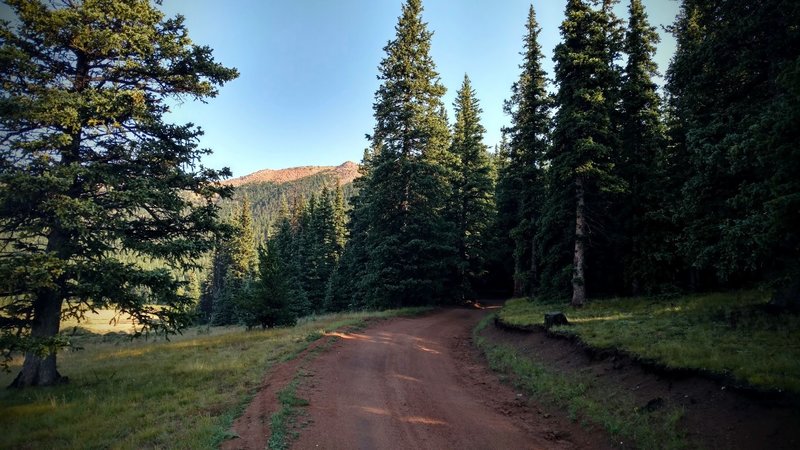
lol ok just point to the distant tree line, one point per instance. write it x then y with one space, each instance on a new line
266 199
286 275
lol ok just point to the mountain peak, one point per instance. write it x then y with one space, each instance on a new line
345 173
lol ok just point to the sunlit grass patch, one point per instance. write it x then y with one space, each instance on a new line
182 393
725 333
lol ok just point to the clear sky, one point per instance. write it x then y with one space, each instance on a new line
309 67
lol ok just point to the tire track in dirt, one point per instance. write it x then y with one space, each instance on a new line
419 383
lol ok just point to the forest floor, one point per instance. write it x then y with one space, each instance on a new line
422 383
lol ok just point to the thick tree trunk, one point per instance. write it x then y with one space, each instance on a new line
578 281
40 370
519 286
534 276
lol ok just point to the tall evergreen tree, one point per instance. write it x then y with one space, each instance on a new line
269 304
90 169
285 243
347 288
643 144
473 190
506 218
530 110
243 252
733 102
585 135
233 268
410 242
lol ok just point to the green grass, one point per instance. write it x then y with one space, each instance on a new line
184 393
586 400
281 421
724 333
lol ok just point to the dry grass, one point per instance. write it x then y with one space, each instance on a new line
182 393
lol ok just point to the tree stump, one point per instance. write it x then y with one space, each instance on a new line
552 319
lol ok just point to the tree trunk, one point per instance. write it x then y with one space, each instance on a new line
519 290
40 370
534 278
578 282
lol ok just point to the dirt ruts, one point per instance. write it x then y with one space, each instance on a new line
411 383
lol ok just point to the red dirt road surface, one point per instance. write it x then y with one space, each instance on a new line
417 383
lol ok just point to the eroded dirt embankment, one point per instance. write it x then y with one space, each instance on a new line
715 416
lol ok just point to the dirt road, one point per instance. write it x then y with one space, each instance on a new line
418 383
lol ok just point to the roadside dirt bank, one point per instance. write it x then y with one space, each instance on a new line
715 416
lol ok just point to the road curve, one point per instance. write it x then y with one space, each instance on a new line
415 383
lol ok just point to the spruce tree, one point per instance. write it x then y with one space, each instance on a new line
234 268
410 241
473 202
738 207
643 144
585 134
347 288
91 170
269 303
506 204
530 110
284 243
243 251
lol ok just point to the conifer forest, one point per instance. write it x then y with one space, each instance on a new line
607 183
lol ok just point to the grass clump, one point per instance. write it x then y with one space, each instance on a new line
182 393
280 421
585 399
725 333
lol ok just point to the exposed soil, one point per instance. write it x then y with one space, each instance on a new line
410 383
716 416
252 429
420 383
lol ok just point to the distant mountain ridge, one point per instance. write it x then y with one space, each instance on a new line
269 190
345 173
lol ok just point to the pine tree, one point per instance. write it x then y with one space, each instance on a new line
234 269
339 229
739 203
90 169
269 304
530 108
410 242
643 144
243 252
347 288
284 244
585 135
506 204
473 191
213 287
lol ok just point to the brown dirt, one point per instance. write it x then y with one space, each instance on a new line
408 383
716 416
252 427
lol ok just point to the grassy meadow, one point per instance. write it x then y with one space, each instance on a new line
725 333
182 393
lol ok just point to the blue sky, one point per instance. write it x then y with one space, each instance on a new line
308 69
